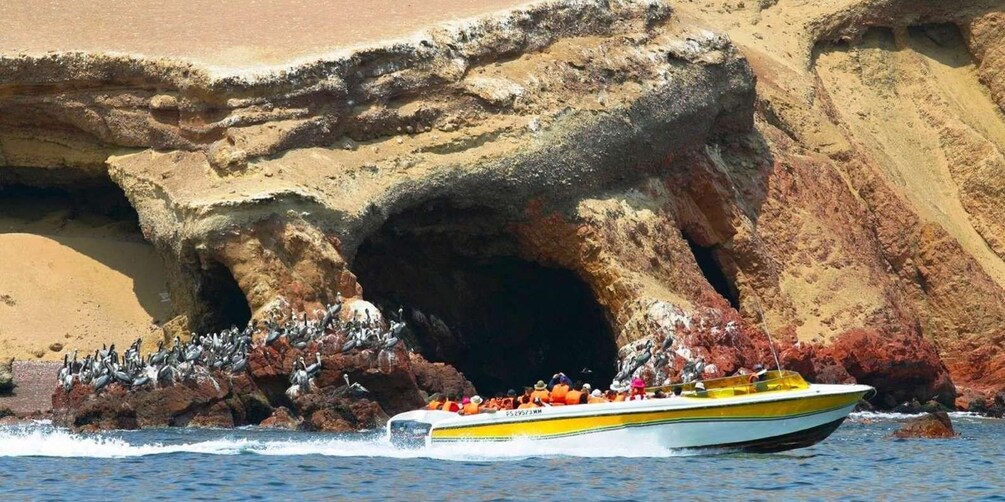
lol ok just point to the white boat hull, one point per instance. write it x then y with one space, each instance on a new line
770 421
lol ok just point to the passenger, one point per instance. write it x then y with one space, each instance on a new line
526 396
638 392
450 404
435 402
620 393
558 378
677 389
536 403
659 394
757 378
558 389
494 403
541 392
699 390
508 402
587 389
471 407
576 395
597 397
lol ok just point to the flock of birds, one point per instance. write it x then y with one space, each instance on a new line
227 351
360 332
658 356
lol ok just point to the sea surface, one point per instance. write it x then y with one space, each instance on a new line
859 462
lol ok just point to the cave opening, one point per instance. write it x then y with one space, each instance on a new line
222 299
472 301
96 203
710 268
76 249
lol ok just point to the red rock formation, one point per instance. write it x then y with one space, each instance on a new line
433 378
283 419
204 401
929 426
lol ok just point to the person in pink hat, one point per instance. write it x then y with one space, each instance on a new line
638 390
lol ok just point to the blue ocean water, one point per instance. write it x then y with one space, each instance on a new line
858 462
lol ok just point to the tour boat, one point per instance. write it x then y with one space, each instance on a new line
779 412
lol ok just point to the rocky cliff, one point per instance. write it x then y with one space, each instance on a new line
570 184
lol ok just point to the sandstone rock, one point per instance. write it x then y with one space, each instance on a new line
282 419
915 407
930 426
6 375
440 378
164 102
901 368
977 403
226 158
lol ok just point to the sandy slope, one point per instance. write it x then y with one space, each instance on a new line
229 34
57 287
905 106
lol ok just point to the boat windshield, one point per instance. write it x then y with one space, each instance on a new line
740 385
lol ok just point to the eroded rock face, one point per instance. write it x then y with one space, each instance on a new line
607 140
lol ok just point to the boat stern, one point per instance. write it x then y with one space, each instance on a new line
411 429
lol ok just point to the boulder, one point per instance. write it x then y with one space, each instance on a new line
983 405
928 426
281 418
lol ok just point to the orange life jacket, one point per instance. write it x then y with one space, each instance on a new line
620 397
595 400
573 397
493 404
506 404
558 393
543 394
434 405
471 409
525 406
449 405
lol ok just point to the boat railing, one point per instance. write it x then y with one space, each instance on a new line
738 385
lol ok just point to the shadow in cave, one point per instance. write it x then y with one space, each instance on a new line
224 302
94 218
472 302
709 265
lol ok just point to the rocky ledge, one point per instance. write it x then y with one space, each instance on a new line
353 390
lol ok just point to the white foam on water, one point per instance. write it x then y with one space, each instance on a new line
43 441
861 416
47 441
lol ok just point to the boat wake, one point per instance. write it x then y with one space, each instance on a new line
42 440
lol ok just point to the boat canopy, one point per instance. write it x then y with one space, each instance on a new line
739 385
